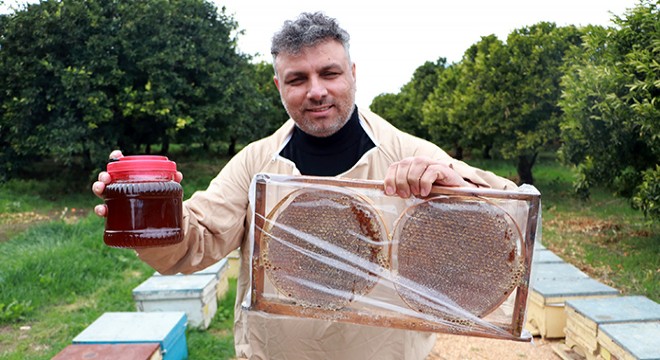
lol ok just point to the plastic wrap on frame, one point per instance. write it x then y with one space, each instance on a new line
457 261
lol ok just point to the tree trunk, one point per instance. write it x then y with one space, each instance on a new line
88 164
231 150
458 152
525 164
486 151
166 146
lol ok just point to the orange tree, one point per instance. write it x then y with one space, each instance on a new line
81 77
611 125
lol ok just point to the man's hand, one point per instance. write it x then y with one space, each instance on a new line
104 179
416 175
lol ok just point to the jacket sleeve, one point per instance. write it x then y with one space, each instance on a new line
214 222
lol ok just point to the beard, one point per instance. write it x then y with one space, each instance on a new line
327 126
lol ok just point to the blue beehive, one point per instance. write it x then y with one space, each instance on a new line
166 328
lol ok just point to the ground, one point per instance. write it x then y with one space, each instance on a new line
453 347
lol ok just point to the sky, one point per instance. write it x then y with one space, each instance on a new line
390 39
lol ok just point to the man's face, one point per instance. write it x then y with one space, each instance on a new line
317 87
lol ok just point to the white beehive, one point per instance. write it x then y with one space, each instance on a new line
193 294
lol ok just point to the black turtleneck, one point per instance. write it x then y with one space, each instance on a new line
328 156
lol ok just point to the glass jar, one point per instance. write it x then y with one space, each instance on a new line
145 203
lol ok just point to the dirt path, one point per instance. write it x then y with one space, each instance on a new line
14 223
454 347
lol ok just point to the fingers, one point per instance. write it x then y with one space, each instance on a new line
416 176
396 180
403 177
104 177
101 210
440 174
390 180
98 187
116 154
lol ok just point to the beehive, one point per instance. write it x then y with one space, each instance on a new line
193 294
141 351
584 317
167 329
234 264
629 341
549 271
545 256
545 314
220 270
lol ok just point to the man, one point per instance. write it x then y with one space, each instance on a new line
328 136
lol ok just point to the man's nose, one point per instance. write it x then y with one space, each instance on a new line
317 89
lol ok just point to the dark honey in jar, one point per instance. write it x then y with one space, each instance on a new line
144 203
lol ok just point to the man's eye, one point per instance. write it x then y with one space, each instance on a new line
295 81
331 74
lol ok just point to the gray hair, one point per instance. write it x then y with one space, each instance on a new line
308 30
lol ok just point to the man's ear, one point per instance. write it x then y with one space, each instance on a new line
277 82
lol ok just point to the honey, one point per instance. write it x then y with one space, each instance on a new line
145 204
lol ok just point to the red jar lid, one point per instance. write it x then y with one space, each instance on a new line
141 164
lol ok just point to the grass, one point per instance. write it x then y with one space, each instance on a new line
57 276
66 278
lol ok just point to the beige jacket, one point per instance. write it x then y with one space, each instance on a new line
217 220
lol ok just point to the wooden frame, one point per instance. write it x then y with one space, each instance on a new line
511 330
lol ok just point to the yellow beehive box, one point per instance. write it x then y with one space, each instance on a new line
234 259
220 270
629 341
584 318
545 314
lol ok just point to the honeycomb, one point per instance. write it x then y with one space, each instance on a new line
462 251
318 246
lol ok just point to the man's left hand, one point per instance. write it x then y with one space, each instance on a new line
416 175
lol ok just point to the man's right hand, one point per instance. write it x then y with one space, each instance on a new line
99 186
